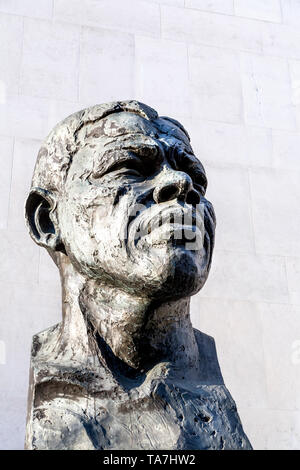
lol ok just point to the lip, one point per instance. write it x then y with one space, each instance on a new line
178 235
157 226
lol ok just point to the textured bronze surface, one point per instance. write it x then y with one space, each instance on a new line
118 200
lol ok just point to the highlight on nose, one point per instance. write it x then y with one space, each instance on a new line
180 188
166 193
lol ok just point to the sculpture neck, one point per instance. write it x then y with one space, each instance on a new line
138 331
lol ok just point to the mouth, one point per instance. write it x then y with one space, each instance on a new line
157 227
171 234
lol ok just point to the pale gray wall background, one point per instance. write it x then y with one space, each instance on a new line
230 71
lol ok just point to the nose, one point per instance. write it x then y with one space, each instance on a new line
176 185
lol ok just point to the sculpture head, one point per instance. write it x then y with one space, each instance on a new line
118 191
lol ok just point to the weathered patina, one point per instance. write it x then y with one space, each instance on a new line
118 200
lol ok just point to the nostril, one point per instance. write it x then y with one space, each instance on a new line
193 197
168 192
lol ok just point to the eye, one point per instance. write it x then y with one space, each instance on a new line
129 167
127 172
126 167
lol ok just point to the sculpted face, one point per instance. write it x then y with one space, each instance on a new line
133 212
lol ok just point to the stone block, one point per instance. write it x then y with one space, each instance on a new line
233 208
275 195
293 277
199 27
106 65
133 16
280 40
267 92
281 338
11 36
17 246
236 328
267 10
25 153
216 92
291 12
50 59
222 144
24 116
6 158
246 276
286 150
168 59
32 8
217 6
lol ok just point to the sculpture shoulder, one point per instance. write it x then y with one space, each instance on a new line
42 342
209 365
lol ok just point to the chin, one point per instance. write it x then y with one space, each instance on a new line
180 274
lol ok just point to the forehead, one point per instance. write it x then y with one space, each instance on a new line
116 126
105 141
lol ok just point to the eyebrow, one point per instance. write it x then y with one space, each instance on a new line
143 149
184 159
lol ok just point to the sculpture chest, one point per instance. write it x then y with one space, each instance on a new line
153 416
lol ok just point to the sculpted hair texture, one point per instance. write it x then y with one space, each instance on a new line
56 154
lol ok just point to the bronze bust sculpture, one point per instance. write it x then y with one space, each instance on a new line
118 200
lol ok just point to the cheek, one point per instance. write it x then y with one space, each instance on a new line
102 223
108 220
93 222
76 232
90 221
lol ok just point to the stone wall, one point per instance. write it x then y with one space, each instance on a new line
229 70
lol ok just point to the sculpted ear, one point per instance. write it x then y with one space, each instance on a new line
41 219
